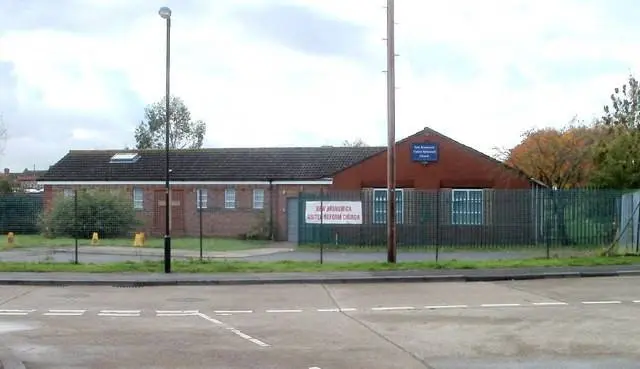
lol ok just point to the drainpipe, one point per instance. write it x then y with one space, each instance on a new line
271 207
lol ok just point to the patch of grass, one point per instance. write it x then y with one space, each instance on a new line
184 243
195 266
538 249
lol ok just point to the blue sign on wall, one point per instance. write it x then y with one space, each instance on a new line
424 152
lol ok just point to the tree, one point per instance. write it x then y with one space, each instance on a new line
617 157
560 158
5 186
355 143
625 106
184 133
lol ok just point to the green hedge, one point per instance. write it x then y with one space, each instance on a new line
109 214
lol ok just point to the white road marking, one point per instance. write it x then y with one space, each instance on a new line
636 301
601 302
235 331
446 306
233 311
176 311
315 367
336 310
119 313
53 312
393 308
551 303
284 311
15 312
500 305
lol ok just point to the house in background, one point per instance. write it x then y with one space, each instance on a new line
27 181
446 191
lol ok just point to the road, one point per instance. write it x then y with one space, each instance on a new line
570 323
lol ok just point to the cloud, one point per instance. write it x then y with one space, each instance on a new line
299 72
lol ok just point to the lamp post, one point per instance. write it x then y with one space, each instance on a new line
165 13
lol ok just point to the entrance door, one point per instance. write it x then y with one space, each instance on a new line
177 211
292 220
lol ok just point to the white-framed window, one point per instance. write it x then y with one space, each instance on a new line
68 192
138 198
202 196
230 198
467 207
258 198
380 206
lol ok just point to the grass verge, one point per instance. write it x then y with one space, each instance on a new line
196 266
184 243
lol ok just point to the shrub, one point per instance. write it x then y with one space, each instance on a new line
109 214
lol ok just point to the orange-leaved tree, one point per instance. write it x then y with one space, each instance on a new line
559 157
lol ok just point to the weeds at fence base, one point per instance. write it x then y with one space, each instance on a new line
217 266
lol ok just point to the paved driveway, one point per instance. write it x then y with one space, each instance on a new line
572 323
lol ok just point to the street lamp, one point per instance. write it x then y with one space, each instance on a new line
165 13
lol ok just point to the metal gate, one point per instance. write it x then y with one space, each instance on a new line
292 220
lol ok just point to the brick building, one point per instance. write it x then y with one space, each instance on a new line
243 188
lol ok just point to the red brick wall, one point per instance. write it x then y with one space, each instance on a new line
216 219
457 167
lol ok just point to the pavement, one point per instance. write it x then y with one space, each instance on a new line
572 323
428 275
277 252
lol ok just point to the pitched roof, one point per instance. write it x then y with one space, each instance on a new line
430 131
219 164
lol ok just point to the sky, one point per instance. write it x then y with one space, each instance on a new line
77 74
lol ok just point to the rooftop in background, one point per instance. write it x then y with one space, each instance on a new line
214 164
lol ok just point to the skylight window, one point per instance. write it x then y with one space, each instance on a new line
125 157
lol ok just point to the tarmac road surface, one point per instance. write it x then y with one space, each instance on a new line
569 323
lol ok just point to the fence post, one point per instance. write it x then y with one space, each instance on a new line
200 216
75 224
321 223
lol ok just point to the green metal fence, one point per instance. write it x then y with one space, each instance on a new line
20 213
461 217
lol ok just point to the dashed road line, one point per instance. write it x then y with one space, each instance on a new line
446 306
550 303
15 312
181 313
234 330
499 305
391 308
120 313
53 312
601 302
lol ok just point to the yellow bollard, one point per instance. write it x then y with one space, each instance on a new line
94 238
10 239
138 241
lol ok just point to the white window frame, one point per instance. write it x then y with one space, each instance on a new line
229 198
258 198
68 192
455 213
205 198
138 198
400 209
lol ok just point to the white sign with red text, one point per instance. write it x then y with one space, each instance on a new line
334 212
